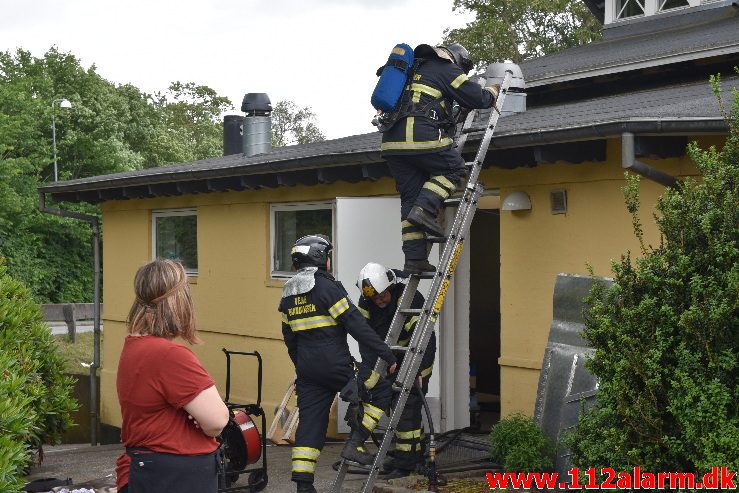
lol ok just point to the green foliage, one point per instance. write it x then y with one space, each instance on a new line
110 128
506 30
35 402
666 334
294 125
519 445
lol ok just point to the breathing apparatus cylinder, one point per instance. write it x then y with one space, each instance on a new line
393 77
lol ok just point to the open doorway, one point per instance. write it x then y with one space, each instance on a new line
484 337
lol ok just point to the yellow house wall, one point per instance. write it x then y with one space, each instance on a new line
235 298
536 245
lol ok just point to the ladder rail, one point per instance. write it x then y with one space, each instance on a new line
408 370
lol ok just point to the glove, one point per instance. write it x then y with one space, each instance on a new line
494 90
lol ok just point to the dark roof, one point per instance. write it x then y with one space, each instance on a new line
646 42
680 109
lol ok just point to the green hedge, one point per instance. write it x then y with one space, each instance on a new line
519 445
35 396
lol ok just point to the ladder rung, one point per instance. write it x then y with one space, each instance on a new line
473 130
399 348
411 311
436 239
424 275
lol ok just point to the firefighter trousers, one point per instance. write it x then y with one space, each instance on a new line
408 453
318 382
425 180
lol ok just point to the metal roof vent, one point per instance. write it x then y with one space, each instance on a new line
515 100
232 138
257 123
558 201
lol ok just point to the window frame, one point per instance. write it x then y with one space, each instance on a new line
157 213
297 206
651 7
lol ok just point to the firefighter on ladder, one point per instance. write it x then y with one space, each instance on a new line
418 143
316 316
381 292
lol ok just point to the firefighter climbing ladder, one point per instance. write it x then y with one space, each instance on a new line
428 315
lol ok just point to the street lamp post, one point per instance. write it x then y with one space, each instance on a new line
63 103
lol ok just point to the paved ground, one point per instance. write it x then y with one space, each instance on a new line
95 467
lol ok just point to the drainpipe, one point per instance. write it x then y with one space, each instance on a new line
95 225
629 162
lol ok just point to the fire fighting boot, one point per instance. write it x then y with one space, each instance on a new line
424 220
396 473
354 448
305 487
418 266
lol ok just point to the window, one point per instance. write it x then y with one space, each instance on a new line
175 236
292 221
672 4
629 8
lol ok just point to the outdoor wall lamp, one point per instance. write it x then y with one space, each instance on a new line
63 103
516 201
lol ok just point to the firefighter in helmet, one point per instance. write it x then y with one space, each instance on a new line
316 317
381 291
418 144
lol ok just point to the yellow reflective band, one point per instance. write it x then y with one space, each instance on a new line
459 81
305 453
409 123
445 182
373 411
284 319
434 93
339 307
372 380
409 324
406 224
404 342
311 323
364 312
408 435
427 371
369 423
420 235
416 96
436 189
421 145
304 466
404 447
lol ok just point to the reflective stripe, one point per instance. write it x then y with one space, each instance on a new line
419 235
373 411
369 423
364 312
427 371
305 453
408 435
304 466
409 124
406 224
436 189
311 323
416 96
284 319
339 307
404 447
445 182
404 342
427 144
372 380
433 92
409 324
458 81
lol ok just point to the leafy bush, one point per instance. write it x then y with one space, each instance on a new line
666 334
35 402
519 445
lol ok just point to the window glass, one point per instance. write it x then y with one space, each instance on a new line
629 8
672 4
291 222
176 238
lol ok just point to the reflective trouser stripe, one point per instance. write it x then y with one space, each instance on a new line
411 232
372 380
304 459
407 435
441 192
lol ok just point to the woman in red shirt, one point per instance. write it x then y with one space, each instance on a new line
170 406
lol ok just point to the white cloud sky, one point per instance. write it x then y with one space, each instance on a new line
317 53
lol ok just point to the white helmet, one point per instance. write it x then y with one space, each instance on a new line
374 279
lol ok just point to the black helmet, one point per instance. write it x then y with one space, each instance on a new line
461 56
311 251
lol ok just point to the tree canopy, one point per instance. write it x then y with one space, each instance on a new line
110 128
522 29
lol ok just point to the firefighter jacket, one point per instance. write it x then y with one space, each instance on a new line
322 317
434 86
380 320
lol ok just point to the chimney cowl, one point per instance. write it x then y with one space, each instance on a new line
256 104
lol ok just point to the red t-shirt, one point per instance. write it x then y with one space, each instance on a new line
156 378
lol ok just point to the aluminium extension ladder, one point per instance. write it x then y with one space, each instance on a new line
428 315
